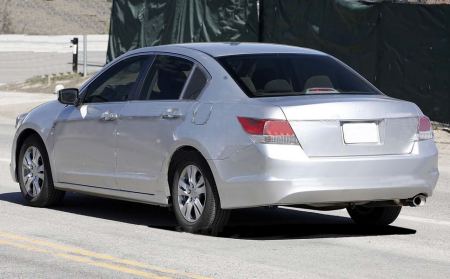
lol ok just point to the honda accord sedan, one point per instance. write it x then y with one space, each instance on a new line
210 127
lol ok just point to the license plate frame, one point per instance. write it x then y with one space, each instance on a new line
360 132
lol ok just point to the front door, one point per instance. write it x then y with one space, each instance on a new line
85 135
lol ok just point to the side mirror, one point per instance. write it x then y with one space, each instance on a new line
68 96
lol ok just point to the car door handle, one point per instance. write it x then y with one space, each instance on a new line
171 114
109 116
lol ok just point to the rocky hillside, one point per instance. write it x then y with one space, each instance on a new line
54 17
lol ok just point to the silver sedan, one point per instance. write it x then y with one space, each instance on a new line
209 127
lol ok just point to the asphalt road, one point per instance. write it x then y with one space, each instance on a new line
100 238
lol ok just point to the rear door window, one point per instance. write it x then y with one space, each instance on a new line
167 78
196 84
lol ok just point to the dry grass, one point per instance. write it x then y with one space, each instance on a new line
47 83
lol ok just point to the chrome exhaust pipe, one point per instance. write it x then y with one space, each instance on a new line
418 200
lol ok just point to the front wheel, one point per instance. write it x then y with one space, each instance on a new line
195 198
35 177
377 216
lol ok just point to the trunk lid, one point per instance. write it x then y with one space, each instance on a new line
333 125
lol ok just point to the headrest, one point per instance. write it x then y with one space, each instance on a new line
318 81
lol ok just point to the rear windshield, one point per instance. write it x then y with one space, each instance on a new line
274 75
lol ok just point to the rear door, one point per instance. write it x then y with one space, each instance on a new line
85 136
147 129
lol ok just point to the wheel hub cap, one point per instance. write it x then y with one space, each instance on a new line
33 174
191 193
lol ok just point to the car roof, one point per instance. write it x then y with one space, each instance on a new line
232 48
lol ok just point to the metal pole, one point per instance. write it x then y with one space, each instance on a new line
84 55
74 42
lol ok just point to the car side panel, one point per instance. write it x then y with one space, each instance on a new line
217 138
39 120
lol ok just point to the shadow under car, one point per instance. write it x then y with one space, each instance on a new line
275 223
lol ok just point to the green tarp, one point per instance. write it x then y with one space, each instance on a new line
415 57
346 30
125 27
403 49
141 23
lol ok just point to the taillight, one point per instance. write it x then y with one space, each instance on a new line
424 128
269 131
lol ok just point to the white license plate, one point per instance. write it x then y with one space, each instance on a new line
360 133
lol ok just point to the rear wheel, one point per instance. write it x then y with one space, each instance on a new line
377 216
195 198
35 178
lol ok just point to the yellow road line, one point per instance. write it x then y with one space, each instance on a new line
23 246
84 260
94 255
122 269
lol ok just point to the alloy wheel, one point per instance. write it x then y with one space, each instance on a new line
33 171
191 193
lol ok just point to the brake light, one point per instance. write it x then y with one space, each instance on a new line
424 128
269 131
252 126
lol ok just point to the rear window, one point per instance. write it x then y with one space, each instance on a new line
273 75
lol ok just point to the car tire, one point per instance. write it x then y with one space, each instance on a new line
34 174
376 216
212 218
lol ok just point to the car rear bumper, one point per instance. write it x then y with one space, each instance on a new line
261 175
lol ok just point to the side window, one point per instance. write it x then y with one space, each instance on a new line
166 79
196 84
117 83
